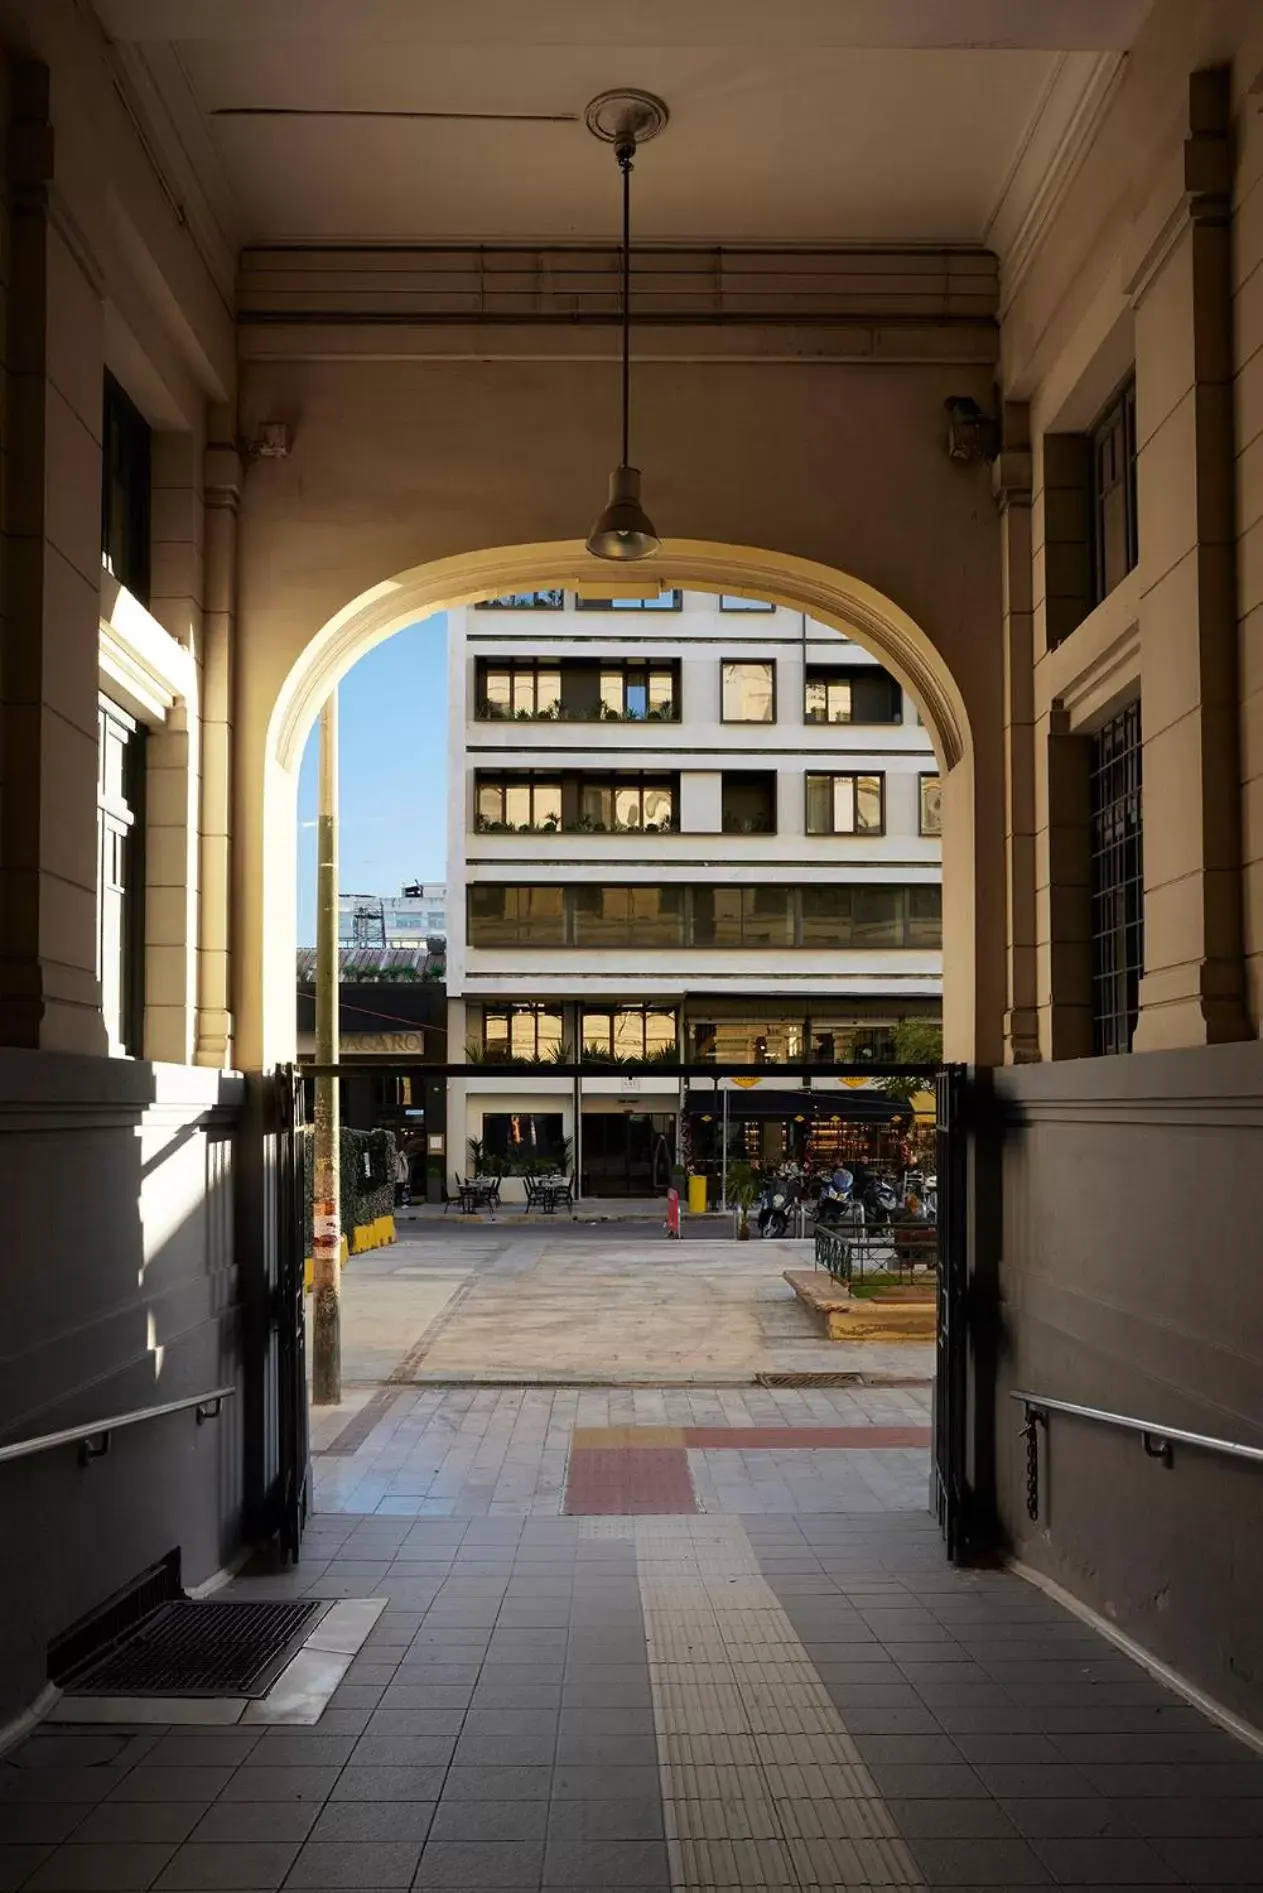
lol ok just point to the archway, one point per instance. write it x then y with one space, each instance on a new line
266 859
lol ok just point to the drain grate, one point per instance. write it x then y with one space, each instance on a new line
839 1380
193 1648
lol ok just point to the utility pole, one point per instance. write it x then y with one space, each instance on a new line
326 1326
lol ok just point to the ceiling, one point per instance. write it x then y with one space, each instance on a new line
803 121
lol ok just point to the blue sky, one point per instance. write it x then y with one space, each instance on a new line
393 746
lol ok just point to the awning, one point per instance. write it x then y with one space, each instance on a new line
856 1107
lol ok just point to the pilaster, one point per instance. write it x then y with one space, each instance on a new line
1192 989
49 989
1013 486
223 478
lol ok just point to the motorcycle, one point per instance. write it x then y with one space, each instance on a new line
773 1219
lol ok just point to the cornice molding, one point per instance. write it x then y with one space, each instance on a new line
1080 91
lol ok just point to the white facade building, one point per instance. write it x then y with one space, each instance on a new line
409 919
678 821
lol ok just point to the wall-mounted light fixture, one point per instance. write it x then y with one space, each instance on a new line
971 434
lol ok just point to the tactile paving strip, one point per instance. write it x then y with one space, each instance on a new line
762 1786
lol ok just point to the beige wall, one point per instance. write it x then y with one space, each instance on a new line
1152 260
396 464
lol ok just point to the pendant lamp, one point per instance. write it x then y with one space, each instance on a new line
624 530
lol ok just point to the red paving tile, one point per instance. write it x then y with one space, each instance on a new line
627 1480
785 1438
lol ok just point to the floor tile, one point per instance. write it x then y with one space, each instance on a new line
248 1864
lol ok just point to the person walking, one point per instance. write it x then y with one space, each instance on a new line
403 1177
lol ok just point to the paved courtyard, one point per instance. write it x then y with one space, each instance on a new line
568 1300
693 1634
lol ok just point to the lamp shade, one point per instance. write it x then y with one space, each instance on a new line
624 530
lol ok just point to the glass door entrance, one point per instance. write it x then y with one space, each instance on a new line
627 1153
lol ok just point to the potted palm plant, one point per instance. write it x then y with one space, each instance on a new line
743 1190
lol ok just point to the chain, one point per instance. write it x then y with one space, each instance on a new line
1031 1432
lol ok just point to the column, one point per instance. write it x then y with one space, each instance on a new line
1012 476
223 477
49 990
173 772
1191 993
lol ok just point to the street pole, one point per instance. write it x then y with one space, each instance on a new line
327 1213
723 1171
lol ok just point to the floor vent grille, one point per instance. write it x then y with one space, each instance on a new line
196 1648
839 1380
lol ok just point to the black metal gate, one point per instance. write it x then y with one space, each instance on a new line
951 1380
290 1317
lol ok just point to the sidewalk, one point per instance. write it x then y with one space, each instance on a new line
589 1209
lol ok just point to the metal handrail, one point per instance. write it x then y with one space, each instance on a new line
1158 1439
207 1404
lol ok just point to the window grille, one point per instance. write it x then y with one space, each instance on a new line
1118 922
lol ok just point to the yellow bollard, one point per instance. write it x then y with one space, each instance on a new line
697 1196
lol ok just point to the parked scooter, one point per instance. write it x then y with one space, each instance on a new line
774 1210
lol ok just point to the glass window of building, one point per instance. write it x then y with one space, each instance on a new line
535 1137
633 691
846 805
519 690
525 601
521 1031
925 917
518 803
749 692
833 694
636 916
748 802
931 805
749 1039
660 601
125 491
743 916
120 827
629 1032
502 914
1115 547
617 805
1117 883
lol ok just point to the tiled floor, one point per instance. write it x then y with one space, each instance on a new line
502 1451
775 1701
778 1685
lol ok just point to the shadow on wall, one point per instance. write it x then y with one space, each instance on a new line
120 1291
1130 1282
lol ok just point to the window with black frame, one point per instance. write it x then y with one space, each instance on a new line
846 804
621 805
521 690
522 1031
517 804
1115 546
1118 912
125 491
660 601
524 601
748 802
622 1032
834 693
633 692
120 820
748 691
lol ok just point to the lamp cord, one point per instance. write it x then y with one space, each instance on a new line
625 153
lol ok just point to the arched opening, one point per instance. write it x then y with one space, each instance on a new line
830 597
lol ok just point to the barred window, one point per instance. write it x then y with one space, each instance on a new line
1118 913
